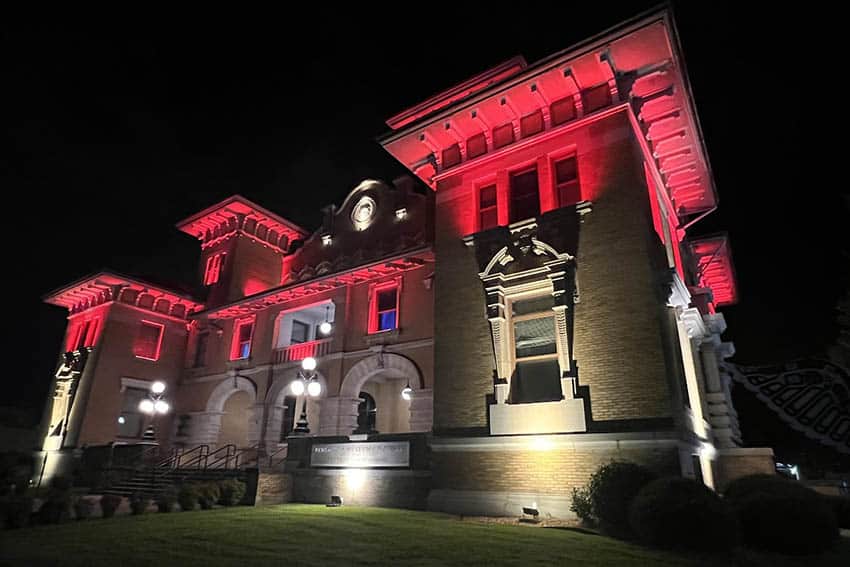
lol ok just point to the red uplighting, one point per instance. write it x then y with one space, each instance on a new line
714 268
148 342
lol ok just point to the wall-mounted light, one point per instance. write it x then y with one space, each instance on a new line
400 213
325 327
327 239
407 392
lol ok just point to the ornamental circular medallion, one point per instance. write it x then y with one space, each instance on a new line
363 212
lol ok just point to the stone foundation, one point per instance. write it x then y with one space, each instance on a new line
273 488
364 487
738 462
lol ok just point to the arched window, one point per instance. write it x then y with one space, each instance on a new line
367 413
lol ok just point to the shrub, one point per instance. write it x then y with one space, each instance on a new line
83 508
108 504
781 515
57 507
841 508
678 512
231 492
139 503
612 488
166 499
187 497
582 506
208 494
16 510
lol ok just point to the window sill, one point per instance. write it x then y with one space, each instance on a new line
239 363
382 337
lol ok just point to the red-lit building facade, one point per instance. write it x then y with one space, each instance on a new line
541 297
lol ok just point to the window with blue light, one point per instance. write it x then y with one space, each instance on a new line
387 309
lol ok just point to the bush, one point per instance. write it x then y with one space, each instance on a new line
15 511
108 504
841 508
231 492
83 508
612 488
57 508
166 499
582 506
782 515
187 497
139 503
678 512
208 494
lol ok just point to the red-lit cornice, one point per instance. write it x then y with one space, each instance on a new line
238 215
104 287
386 267
714 268
640 62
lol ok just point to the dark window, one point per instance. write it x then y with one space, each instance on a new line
595 98
566 182
525 195
451 156
201 349
563 110
148 341
300 333
81 338
503 135
476 146
387 309
131 420
288 417
367 413
531 124
488 211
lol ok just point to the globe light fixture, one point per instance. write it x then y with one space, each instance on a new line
407 392
161 406
158 387
314 389
297 387
146 406
308 364
325 328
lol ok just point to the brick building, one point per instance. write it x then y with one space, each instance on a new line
530 307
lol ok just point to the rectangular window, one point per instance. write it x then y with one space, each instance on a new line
536 375
563 110
451 156
525 195
503 135
300 333
595 98
387 309
243 333
531 124
566 181
131 420
149 340
488 213
383 307
213 268
476 146
201 349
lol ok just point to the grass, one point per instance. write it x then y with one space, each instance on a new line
299 534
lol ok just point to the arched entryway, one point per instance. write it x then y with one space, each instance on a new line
382 378
232 415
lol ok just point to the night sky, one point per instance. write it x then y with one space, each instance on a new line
117 132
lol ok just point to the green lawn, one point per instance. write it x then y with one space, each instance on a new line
315 535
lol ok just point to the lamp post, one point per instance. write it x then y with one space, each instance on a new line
305 382
154 404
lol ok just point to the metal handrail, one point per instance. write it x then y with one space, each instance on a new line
202 451
229 453
283 450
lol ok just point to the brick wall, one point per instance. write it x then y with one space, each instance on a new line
554 472
364 487
273 488
617 336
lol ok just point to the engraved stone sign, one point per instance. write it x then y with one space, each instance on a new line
380 454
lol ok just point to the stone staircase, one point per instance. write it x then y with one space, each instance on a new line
152 476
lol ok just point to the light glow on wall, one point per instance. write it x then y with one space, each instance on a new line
354 478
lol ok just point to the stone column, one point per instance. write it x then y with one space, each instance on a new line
338 415
274 425
422 410
255 419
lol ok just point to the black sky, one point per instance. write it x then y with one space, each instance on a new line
120 129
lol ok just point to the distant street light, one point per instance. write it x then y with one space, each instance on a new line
306 382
